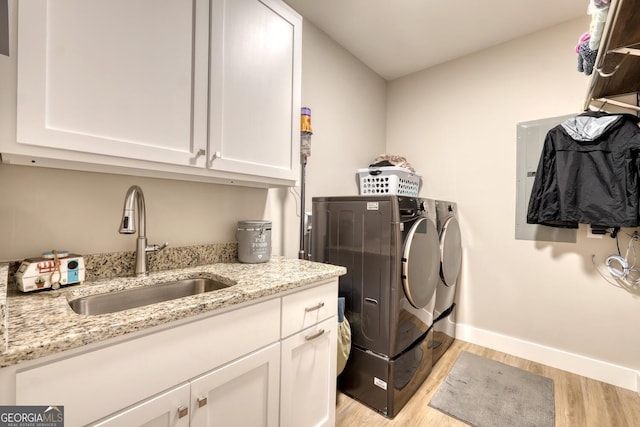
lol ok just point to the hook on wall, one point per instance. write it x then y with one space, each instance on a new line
603 74
604 103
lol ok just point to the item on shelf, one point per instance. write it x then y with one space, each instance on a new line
586 58
598 9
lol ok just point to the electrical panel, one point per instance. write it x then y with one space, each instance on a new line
530 141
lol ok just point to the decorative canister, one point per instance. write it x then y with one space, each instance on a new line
254 241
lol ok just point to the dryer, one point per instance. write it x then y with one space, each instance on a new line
390 247
450 262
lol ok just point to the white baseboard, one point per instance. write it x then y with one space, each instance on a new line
587 367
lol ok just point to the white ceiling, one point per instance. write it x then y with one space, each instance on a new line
399 37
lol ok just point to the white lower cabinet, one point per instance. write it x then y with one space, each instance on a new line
267 364
309 352
308 383
243 393
98 384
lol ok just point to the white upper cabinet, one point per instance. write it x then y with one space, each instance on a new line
202 88
255 87
108 77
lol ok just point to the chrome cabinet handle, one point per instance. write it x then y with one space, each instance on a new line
314 336
202 401
201 152
216 155
183 411
315 307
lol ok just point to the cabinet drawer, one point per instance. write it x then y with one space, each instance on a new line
101 382
306 308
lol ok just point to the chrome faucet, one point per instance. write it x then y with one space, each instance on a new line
133 199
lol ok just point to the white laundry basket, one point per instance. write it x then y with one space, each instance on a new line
389 180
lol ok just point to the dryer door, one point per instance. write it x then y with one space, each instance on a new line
450 251
421 262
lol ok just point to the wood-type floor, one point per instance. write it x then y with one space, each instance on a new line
579 401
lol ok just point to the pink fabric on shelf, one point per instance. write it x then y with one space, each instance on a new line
583 38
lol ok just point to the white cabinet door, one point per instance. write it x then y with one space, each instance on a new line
255 88
113 77
169 409
308 382
242 393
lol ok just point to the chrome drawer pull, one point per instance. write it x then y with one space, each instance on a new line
314 336
315 307
183 411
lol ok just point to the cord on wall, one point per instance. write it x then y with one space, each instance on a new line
622 269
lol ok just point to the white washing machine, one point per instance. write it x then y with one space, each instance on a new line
444 326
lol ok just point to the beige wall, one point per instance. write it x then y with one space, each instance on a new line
457 124
42 209
348 109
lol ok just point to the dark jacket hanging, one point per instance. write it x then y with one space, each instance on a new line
588 173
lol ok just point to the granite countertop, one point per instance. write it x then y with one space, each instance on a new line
42 323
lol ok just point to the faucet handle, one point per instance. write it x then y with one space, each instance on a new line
156 248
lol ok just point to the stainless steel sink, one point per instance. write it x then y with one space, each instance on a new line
138 297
